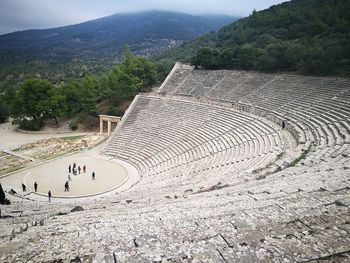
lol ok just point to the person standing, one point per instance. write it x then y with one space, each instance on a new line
84 168
69 178
24 188
93 175
49 195
35 186
69 168
79 169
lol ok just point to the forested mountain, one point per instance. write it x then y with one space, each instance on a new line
71 51
115 30
306 36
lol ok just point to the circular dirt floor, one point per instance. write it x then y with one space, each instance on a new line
53 175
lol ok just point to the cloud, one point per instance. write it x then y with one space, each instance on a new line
26 14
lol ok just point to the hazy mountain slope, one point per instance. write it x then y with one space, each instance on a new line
93 46
113 31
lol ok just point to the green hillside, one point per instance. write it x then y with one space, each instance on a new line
305 36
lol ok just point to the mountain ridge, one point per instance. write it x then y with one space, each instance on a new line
94 46
121 22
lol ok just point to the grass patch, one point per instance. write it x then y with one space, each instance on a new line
302 156
12 169
72 138
59 154
16 150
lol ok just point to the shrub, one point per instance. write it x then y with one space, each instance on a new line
88 121
91 122
73 124
114 111
31 125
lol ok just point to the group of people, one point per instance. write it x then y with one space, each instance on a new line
24 187
76 169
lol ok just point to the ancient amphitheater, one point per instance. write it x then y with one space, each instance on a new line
218 178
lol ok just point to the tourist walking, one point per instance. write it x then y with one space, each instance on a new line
69 168
79 169
84 168
66 187
93 175
49 195
24 188
69 178
35 186
283 125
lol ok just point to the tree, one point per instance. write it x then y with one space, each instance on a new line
163 66
145 73
128 57
206 58
37 100
246 57
126 86
104 87
55 105
135 74
4 110
263 60
88 96
71 92
277 52
228 58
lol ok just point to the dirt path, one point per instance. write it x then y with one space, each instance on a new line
11 139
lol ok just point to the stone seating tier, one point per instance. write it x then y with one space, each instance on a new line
316 109
162 136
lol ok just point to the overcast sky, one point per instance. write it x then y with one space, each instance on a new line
18 15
